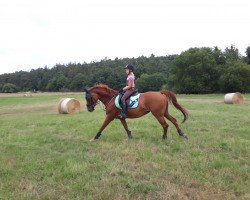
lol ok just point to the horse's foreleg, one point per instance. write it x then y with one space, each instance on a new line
106 122
174 121
125 125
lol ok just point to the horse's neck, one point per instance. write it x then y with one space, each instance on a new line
105 98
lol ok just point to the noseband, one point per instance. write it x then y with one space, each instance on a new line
89 98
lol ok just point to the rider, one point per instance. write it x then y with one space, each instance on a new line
128 89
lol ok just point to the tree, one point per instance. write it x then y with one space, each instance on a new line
152 82
9 88
58 83
248 54
235 78
219 56
79 82
232 54
107 71
195 71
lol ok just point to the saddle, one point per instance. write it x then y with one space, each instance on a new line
131 102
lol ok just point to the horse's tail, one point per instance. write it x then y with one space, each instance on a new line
172 98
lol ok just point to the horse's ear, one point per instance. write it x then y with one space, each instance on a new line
97 83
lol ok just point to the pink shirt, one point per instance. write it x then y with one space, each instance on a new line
131 77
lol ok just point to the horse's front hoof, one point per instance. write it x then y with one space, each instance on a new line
164 137
92 140
129 135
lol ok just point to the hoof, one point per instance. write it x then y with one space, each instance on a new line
92 140
129 134
164 137
186 137
181 133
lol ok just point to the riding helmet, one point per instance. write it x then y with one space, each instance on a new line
130 67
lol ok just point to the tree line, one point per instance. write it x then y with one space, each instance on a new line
196 70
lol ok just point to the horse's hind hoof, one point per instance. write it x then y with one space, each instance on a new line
181 133
92 140
186 137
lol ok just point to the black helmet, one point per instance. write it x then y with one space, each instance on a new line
130 67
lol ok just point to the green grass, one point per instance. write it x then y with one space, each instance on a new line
45 155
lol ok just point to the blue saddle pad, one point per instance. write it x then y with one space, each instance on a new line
132 102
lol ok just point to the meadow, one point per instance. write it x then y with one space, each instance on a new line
46 155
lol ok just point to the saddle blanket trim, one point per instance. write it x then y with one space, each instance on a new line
132 102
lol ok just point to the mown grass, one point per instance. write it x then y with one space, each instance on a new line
45 155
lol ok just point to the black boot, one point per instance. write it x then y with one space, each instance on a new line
124 109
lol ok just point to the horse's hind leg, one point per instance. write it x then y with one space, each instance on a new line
174 121
164 125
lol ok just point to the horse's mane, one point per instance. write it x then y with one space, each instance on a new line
104 87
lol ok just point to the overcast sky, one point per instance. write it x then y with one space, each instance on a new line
36 33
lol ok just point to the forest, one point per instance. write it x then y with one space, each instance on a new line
195 71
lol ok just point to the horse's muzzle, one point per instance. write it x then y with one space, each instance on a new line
91 108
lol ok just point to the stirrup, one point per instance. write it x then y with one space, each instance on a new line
122 115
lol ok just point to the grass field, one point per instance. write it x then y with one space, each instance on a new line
44 155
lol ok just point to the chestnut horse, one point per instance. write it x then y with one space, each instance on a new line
154 102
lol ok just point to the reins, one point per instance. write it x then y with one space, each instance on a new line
107 103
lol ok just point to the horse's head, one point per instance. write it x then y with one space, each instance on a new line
98 92
92 99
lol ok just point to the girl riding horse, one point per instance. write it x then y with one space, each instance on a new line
128 89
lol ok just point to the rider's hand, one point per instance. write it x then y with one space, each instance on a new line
121 91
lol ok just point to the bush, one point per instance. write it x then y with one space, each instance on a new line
235 78
152 82
195 71
58 83
9 88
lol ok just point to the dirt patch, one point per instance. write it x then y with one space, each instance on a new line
27 189
28 109
208 101
10 161
195 190
29 94
203 101
69 136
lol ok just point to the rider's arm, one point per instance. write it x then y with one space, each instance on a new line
130 84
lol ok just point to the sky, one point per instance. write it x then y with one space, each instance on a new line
39 33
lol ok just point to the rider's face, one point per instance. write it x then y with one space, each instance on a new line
127 71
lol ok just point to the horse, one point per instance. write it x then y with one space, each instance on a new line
154 102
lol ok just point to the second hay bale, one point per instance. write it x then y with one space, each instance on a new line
69 106
234 98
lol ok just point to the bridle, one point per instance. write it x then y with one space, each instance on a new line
90 100
91 103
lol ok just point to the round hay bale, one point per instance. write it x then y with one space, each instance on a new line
234 98
69 106
59 106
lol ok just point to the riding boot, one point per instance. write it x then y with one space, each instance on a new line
124 109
